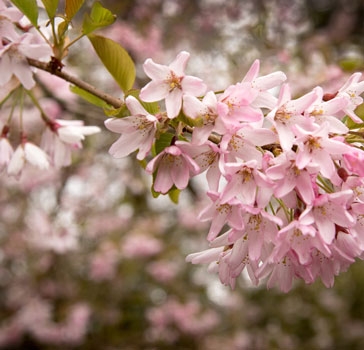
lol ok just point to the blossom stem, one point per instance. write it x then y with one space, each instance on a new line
113 101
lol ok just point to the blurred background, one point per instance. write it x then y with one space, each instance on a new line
89 260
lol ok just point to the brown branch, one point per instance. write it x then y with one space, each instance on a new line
113 101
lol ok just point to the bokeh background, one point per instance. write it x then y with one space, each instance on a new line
89 260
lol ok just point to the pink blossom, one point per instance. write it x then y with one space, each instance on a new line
170 83
354 161
330 211
205 113
13 59
29 153
174 167
289 113
352 90
137 131
63 136
316 148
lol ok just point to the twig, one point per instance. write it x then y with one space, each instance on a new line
113 101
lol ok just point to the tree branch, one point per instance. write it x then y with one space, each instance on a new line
113 101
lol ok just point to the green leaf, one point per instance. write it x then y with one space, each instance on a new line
51 7
116 60
163 142
89 97
29 8
72 7
174 194
62 28
99 17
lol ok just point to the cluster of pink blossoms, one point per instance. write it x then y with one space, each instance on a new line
285 176
19 41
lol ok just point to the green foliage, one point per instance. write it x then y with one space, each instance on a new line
51 7
116 60
72 7
29 8
174 195
99 17
89 97
163 141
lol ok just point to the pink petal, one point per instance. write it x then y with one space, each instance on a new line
179 63
154 91
155 71
174 103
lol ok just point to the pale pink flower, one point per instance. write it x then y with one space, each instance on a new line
29 153
170 83
329 111
13 59
287 177
63 136
246 183
174 167
205 112
354 161
137 131
316 148
330 211
352 90
234 105
265 98
290 113
221 213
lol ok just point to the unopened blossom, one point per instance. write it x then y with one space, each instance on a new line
64 136
170 83
13 59
29 153
137 131
174 167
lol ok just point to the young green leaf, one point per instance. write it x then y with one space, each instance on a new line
116 60
51 7
99 17
174 194
72 7
29 8
89 97
163 142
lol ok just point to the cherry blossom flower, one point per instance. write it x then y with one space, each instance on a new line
13 59
63 136
352 90
289 113
316 148
137 131
174 167
204 111
29 153
170 83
